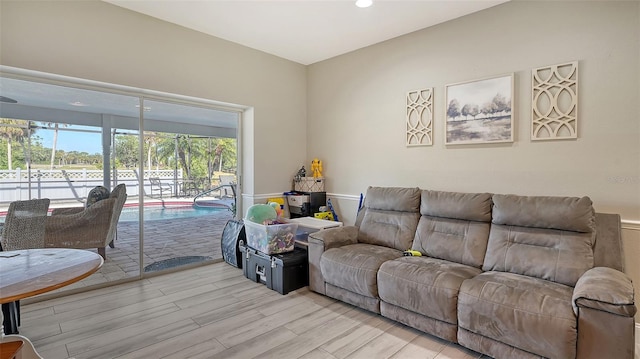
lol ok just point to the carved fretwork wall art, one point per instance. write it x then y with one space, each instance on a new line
555 102
420 117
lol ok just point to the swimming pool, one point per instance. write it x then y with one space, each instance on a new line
169 211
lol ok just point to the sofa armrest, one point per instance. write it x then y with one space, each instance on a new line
605 289
334 237
604 303
608 250
321 241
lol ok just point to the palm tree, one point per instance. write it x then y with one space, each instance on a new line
190 150
55 140
218 154
165 150
187 150
225 151
150 142
13 130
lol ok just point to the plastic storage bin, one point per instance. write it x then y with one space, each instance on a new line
272 239
282 272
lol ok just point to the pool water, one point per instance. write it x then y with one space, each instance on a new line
154 213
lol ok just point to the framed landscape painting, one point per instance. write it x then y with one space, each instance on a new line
480 111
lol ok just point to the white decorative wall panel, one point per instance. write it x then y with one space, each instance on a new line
420 117
555 102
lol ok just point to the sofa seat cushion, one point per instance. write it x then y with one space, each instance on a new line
424 285
355 267
531 314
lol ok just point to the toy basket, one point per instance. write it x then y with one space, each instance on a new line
309 184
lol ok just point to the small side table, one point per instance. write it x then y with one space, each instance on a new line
308 225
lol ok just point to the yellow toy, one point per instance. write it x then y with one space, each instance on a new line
412 253
316 168
324 215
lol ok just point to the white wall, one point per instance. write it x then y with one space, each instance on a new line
356 106
356 109
99 41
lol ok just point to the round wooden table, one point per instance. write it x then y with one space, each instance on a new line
29 272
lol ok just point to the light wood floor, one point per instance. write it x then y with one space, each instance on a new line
215 312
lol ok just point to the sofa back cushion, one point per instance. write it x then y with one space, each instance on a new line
563 213
545 237
389 217
454 226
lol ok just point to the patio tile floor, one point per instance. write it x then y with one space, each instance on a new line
164 239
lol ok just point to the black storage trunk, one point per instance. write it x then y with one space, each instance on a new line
232 234
283 272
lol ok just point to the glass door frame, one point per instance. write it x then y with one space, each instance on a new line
142 95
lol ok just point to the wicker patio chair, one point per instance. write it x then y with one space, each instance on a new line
24 225
85 228
23 229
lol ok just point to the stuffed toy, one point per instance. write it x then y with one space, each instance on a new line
278 208
261 214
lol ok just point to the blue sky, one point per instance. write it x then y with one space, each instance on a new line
73 141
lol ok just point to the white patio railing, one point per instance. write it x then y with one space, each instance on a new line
72 184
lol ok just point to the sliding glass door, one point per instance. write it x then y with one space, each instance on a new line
60 140
185 207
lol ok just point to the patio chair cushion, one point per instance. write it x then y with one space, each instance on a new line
97 194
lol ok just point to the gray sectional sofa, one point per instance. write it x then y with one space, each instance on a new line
507 276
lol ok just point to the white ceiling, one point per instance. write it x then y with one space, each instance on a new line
45 102
305 31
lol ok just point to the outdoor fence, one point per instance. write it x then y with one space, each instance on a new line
18 185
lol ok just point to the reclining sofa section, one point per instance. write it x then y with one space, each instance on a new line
507 276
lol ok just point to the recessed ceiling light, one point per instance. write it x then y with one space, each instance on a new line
364 3
77 103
